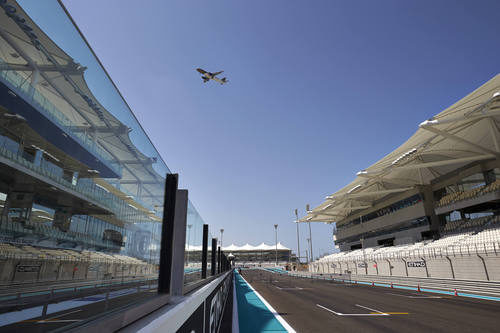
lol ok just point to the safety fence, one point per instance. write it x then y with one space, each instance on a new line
481 289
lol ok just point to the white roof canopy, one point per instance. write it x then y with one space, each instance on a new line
248 247
466 132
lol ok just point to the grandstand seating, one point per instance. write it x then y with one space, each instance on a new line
10 250
483 234
464 195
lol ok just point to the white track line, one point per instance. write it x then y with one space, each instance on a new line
353 314
64 314
367 308
274 312
289 288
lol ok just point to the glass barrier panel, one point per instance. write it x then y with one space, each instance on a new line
81 184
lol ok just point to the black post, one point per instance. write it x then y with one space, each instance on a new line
218 260
204 252
214 249
167 234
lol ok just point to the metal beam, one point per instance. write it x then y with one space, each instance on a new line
453 137
370 193
447 162
137 181
70 68
101 129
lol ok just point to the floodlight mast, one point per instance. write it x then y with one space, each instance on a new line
276 242
298 239
310 236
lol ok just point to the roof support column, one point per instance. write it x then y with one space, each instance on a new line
494 132
428 200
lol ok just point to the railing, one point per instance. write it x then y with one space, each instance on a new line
461 286
28 92
88 189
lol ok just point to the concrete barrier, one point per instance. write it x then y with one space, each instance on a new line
493 267
398 267
440 268
372 267
384 267
7 267
417 267
469 268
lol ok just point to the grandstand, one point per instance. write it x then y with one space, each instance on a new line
433 203
249 254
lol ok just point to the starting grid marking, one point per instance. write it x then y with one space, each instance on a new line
374 313
289 288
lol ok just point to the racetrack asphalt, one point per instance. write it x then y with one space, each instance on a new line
328 306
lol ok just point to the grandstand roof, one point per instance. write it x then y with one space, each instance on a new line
63 83
466 132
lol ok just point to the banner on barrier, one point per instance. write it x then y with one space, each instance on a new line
416 263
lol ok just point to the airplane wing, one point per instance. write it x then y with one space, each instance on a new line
217 73
221 81
201 71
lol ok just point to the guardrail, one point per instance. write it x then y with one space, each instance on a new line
487 288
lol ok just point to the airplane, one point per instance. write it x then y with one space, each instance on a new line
207 76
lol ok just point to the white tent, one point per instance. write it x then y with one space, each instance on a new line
264 247
193 248
282 247
247 247
231 247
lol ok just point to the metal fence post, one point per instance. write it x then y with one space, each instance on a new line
213 263
179 243
218 260
204 252
167 234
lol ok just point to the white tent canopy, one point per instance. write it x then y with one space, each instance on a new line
248 247
466 132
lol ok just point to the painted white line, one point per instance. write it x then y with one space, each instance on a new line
274 312
367 308
353 314
330 310
64 314
291 288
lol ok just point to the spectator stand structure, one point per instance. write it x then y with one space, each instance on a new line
431 207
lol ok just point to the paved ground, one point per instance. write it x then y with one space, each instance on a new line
325 306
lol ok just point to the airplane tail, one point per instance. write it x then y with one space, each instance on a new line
224 80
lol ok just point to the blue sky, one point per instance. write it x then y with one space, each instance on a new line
318 91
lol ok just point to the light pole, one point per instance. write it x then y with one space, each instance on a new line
189 241
310 236
309 259
221 232
298 242
276 242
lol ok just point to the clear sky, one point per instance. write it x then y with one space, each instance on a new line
317 91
